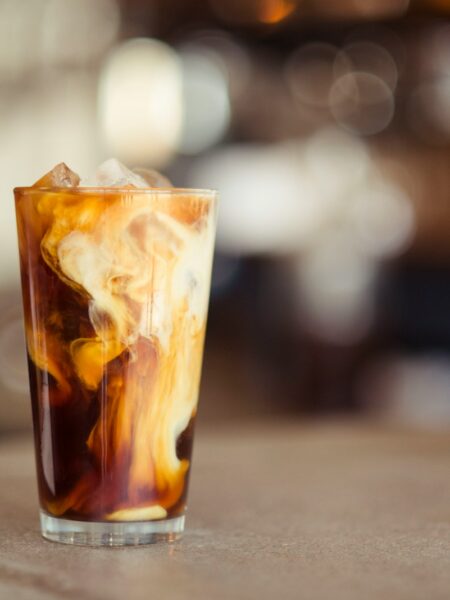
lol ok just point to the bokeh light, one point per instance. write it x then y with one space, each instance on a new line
206 104
367 57
375 37
140 102
362 103
339 163
274 11
260 189
253 11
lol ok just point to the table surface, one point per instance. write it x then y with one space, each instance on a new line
300 511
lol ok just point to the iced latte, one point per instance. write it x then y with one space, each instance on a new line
115 281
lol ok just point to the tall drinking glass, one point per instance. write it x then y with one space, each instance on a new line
115 289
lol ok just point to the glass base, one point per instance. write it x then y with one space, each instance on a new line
88 533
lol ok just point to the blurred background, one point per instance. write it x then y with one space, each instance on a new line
325 125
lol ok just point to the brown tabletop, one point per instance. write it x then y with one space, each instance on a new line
289 511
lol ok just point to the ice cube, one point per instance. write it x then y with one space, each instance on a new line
153 178
59 176
112 173
142 513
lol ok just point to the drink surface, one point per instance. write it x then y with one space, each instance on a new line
116 286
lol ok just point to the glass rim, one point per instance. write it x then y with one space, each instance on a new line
169 191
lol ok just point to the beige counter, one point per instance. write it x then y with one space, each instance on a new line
288 511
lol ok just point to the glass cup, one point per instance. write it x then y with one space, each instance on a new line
115 289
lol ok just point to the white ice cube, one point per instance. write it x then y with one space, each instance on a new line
112 173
